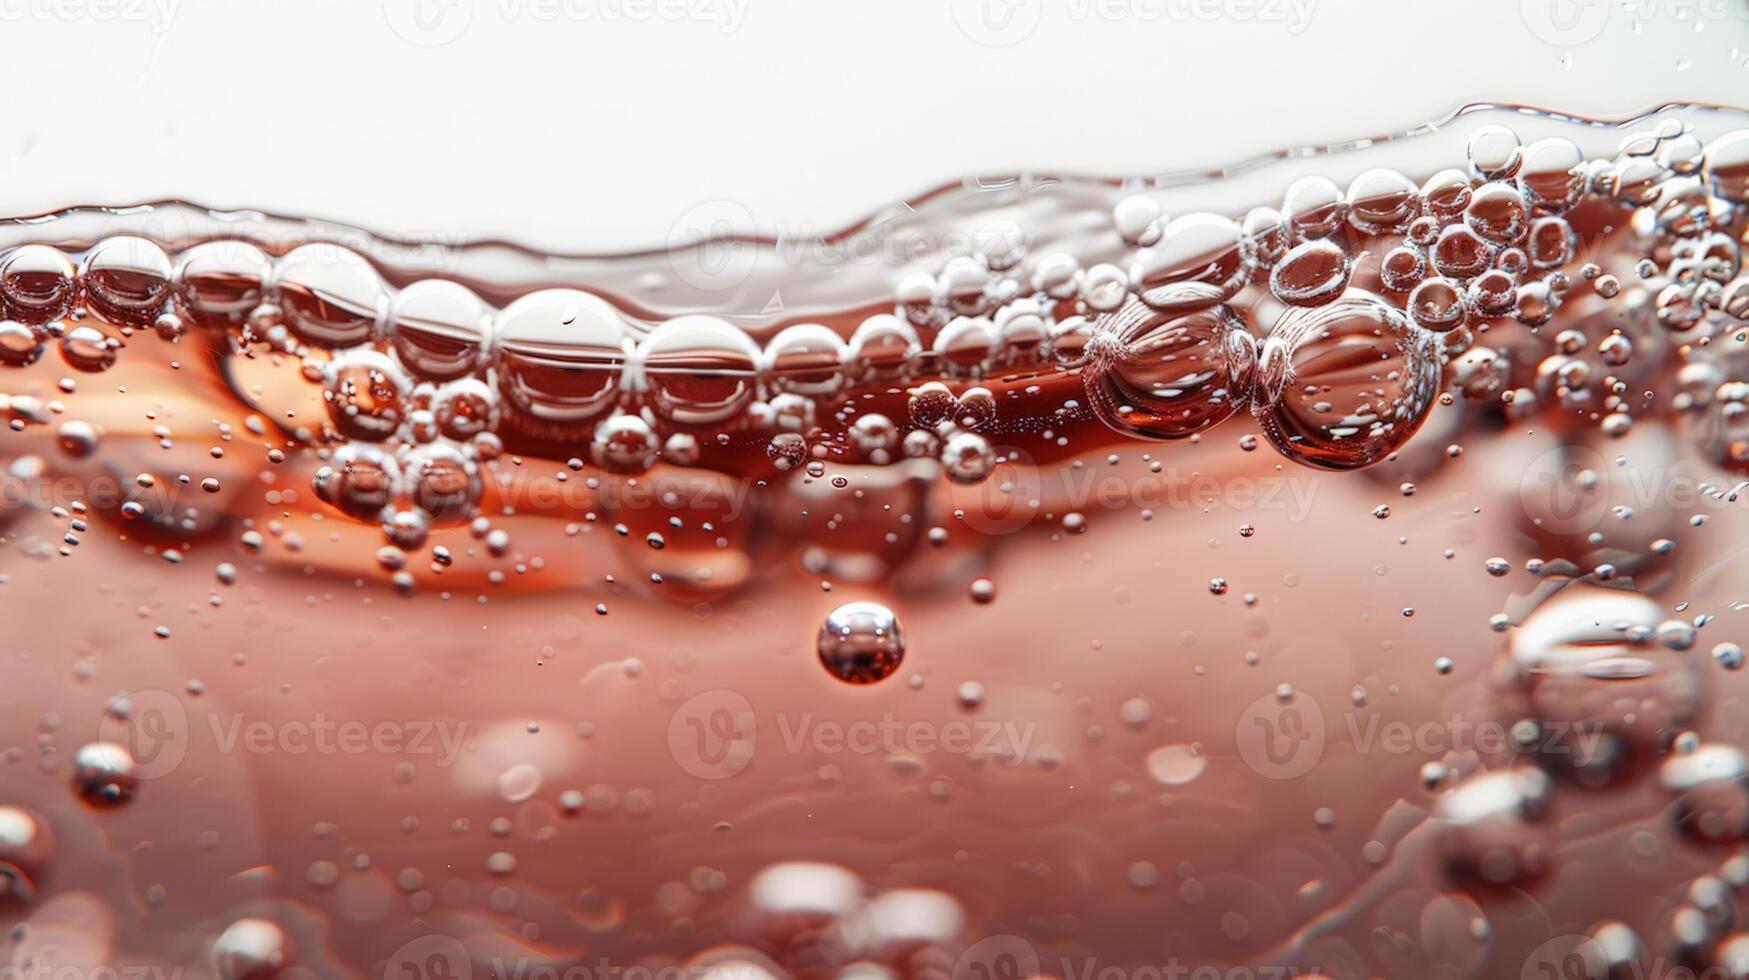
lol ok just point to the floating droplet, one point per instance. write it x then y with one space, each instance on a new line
861 643
1342 386
103 772
1168 377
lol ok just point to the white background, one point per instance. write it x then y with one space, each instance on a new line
591 125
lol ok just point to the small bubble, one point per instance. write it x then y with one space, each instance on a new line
983 591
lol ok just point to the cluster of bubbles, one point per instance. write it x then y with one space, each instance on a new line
1374 296
423 383
1374 293
1377 298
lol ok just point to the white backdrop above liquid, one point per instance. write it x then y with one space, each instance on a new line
596 125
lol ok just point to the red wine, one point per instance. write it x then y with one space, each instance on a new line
1054 576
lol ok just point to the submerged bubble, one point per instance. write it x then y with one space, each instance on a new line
1168 377
1727 166
1312 273
366 393
464 409
104 772
1197 263
251 949
441 482
1494 152
37 284
1551 175
967 458
1437 305
331 296
1498 213
27 849
806 359
1382 202
625 444
127 279
699 369
361 480
86 348
1344 385
557 359
1175 765
21 344
218 283
1313 207
861 643
439 329
1461 253
1492 826
1401 268
786 450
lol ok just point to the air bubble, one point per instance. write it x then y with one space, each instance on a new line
558 356
218 283
624 444
439 329
360 480
1197 263
861 643
1311 274
967 458
1313 207
442 482
698 369
1168 377
1344 385
806 359
331 296
127 279
104 772
366 393
37 284
1382 202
